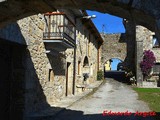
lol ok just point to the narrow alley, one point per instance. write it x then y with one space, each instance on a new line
113 96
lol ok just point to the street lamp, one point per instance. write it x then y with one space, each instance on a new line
89 16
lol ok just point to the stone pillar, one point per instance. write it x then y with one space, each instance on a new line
130 41
139 54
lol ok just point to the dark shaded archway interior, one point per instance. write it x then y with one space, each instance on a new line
135 10
13 10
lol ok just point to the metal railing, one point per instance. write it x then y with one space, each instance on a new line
59 26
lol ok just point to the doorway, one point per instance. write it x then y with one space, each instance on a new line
12 78
68 87
5 82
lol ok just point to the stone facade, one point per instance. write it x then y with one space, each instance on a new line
140 38
147 39
49 77
87 48
136 39
114 46
119 46
148 42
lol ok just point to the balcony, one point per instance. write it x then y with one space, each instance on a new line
59 33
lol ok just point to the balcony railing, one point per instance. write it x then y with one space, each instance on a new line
59 27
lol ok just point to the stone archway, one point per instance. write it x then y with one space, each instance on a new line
135 10
132 10
116 41
112 64
86 67
86 61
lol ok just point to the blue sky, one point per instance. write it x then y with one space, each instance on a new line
114 63
112 24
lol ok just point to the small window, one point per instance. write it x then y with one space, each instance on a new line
79 67
86 62
51 75
155 42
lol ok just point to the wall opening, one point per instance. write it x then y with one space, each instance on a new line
51 75
112 64
79 67
86 62
116 64
155 42
68 80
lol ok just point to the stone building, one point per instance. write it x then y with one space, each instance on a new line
44 58
149 41
88 60
132 44
114 46
119 46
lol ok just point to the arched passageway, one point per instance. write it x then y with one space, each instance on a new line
114 68
135 10
112 64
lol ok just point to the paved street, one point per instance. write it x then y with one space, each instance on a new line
113 96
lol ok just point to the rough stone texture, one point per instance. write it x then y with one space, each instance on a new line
143 38
135 10
36 66
135 41
41 88
139 54
114 46
120 46
147 38
87 46
39 91
157 54
148 42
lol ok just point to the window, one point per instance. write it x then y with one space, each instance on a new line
51 75
86 62
155 42
79 67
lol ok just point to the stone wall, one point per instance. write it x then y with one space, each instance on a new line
39 91
130 36
114 46
38 64
87 46
121 46
148 41
123 8
45 73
